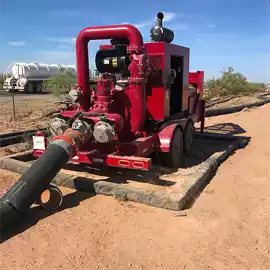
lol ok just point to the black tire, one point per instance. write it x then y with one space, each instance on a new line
189 134
30 88
173 158
26 88
38 87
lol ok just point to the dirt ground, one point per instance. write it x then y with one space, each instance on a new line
7 180
227 228
29 111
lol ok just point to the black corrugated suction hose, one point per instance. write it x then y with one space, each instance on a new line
32 183
233 109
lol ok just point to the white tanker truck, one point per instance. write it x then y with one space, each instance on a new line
30 77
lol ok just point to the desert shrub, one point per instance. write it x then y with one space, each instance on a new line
229 84
256 86
63 82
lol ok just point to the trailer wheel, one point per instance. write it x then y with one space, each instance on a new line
189 134
29 88
39 88
174 157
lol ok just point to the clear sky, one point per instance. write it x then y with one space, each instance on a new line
219 33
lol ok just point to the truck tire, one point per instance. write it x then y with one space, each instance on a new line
38 87
29 88
174 158
189 134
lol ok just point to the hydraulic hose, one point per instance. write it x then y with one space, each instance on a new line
36 179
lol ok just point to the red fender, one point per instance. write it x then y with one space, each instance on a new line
166 134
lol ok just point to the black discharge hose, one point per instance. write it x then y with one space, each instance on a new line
33 182
20 133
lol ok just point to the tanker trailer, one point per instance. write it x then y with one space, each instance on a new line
29 78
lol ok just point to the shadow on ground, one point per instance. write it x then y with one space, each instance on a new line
36 213
201 150
226 129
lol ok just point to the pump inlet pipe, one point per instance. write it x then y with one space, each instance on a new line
32 184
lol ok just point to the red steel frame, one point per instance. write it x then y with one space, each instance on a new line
196 102
133 153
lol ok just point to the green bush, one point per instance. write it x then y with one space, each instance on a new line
230 84
257 86
63 82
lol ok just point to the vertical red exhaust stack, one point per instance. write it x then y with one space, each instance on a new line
102 32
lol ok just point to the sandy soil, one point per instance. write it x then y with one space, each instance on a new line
29 112
7 180
227 228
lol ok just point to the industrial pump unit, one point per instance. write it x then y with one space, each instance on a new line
140 102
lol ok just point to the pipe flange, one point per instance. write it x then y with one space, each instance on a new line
104 132
51 198
82 126
75 95
57 126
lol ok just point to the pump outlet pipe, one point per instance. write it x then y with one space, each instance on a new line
36 179
126 31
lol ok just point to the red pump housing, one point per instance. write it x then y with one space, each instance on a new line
142 102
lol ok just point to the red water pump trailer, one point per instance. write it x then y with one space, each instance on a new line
143 100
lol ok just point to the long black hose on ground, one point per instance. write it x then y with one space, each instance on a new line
26 132
227 110
17 137
32 183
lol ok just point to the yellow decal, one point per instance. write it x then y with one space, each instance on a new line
114 62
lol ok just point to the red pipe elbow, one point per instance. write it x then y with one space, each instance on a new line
101 32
